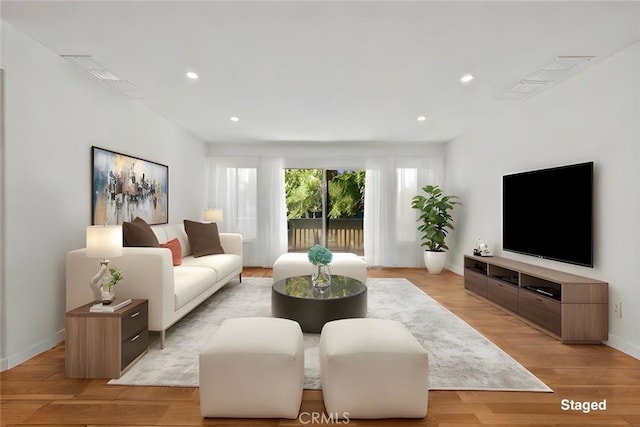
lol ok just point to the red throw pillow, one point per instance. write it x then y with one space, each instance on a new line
176 250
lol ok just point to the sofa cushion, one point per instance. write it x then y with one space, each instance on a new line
189 282
166 232
176 250
138 234
203 238
223 264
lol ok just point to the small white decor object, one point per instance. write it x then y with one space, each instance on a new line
482 249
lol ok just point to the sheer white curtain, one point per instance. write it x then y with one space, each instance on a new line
272 221
378 201
390 235
232 187
251 192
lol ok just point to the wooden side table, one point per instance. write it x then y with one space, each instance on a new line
105 345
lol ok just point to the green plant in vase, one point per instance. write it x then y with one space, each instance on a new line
108 289
320 257
116 276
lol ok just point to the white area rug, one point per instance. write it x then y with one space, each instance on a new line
460 358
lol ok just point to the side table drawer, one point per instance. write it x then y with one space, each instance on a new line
133 347
134 320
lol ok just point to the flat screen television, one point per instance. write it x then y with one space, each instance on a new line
548 213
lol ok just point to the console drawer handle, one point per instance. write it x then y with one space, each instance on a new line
135 338
136 314
538 299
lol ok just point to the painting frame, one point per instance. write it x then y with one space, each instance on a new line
124 187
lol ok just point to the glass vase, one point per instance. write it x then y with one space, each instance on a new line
321 276
108 295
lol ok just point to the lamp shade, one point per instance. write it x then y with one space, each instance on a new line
213 215
104 241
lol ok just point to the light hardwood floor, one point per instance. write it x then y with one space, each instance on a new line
37 393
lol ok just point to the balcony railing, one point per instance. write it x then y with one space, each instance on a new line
343 234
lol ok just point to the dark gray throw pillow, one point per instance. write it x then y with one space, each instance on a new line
203 238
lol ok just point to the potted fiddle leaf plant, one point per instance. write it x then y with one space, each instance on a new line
435 221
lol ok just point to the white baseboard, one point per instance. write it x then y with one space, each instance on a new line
455 268
619 344
34 350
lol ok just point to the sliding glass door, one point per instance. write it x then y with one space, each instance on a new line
325 207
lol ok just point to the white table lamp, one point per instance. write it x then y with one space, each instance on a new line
213 215
103 241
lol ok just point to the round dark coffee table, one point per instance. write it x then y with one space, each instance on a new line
294 298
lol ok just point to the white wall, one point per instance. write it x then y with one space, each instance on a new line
591 116
309 154
54 114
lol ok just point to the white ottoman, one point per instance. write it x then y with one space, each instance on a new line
297 264
373 368
253 367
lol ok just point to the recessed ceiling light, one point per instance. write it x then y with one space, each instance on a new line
234 118
192 75
466 78
421 118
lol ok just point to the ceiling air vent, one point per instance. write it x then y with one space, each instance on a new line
88 64
563 63
561 68
528 86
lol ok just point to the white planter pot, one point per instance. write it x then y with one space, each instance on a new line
434 261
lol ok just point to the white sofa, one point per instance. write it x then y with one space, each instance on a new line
149 273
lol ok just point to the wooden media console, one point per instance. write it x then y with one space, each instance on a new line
572 308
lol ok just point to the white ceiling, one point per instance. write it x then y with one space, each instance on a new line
325 71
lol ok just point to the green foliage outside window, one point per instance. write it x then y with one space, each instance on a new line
346 194
303 192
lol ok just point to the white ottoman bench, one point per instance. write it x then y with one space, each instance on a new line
297 264
373 368
253 367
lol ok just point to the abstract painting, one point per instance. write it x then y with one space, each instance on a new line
124 187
